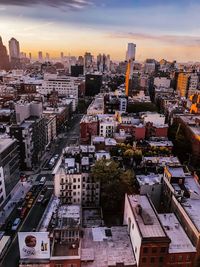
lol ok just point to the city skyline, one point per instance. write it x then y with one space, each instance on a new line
160 30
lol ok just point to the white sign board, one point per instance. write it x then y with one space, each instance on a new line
34 245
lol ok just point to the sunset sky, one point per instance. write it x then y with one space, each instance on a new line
161 29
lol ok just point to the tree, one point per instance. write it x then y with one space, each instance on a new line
114 183
137 156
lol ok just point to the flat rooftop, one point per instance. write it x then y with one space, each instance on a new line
162 160
148 222
5 143
64 250
102 154
190 120
149 179
160 143
102 250
89 118
92 217
70 163
180 243
176 171
69 211
191 205
110 142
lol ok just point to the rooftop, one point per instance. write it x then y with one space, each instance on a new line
191 205
5 143
106 247
70 163
64 250
160 143
149 179
162 160
176 171
180 243
110 142
102 154
191 121
89 118
69 214
146 217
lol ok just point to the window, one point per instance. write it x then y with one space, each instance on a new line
144 259
132 226
145 250
74 187
188 258
180 258
162 250
161 259
152 259
58 265
74 180
154 250
74 193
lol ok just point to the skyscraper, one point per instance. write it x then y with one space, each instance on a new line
14 51
4 58
130 54
103 63
40 56
183 83
47 56
61 55
88 61
130 57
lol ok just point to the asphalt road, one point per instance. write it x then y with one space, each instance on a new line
70 137
11 259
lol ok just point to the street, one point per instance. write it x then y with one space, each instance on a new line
11 259
32 219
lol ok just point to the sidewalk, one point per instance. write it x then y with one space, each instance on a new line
20 192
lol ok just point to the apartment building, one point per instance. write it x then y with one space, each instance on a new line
149 240
72 182
65 86
9 166
181 194
31 137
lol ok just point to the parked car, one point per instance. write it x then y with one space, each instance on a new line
30 203
15 224
45 200
28 195
23 213
42 180
40 198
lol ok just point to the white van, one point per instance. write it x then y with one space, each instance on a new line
42 180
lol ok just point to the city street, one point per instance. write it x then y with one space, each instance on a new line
68 138
34 216
31 222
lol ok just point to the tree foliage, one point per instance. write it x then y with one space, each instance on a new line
114 183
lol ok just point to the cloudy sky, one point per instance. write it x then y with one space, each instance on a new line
161 29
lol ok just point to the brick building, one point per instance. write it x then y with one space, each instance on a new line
89 126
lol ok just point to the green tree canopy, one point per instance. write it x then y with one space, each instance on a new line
114 183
